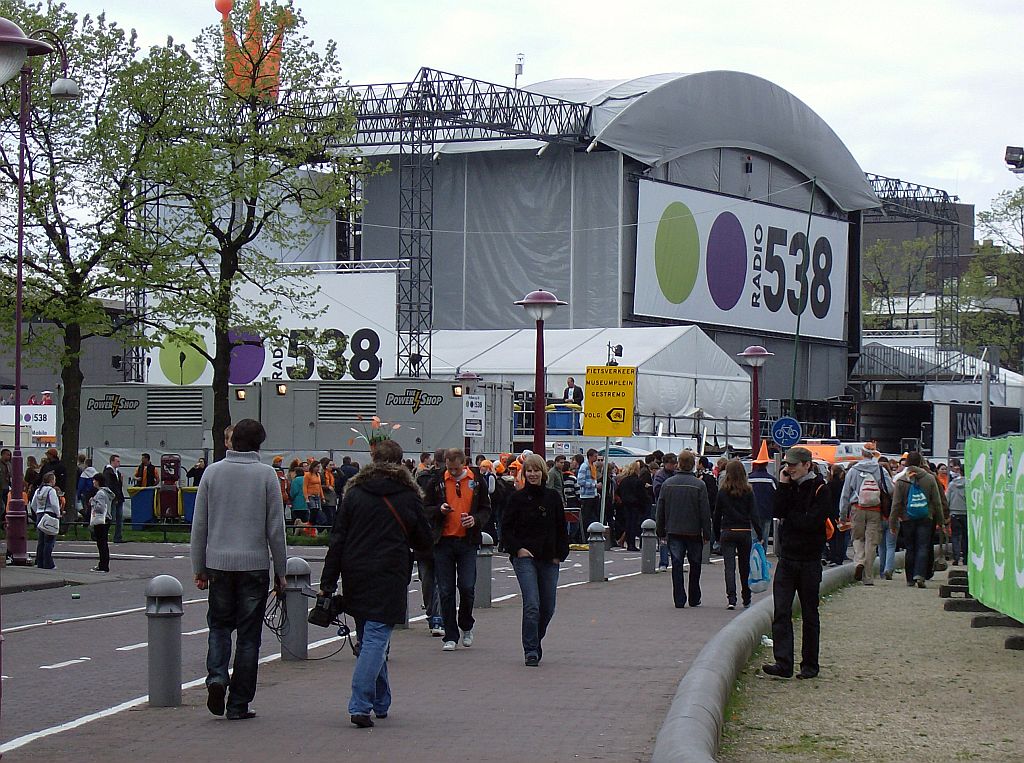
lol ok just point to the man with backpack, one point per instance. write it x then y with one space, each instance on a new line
916 510
865 501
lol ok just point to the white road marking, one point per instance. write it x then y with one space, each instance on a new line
99 616
506 597
196 633
64 554
627 575
132 647
21 741
64 664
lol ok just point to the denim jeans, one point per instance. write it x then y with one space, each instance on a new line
803 579
736 544
958 524
886 550
538 580
917 540
370 687
663 554
44 550
692 549
237 602
455 567
428 589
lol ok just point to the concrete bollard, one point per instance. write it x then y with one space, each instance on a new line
484 566
295 638
164 611
596 540
648 548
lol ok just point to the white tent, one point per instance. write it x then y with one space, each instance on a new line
679 369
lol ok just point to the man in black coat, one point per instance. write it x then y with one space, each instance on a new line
380 518
112 480
802 502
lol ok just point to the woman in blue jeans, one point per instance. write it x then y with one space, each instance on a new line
533 531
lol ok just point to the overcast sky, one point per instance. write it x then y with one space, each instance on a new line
927 91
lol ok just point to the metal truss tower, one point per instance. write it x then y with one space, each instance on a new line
412 119
902 202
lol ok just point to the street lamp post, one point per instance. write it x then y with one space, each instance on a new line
15 49
540 305
755 357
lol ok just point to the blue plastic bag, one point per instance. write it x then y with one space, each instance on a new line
760 569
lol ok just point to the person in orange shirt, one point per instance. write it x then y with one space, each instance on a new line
458 506
312 489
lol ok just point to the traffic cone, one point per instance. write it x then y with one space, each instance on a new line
762 455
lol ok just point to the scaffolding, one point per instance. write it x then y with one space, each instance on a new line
910 202
412 119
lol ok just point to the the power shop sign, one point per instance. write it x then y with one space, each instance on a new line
720 260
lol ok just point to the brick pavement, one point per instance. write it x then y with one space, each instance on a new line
612 661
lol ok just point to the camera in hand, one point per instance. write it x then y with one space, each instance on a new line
327 609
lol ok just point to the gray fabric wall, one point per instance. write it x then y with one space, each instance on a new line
506 223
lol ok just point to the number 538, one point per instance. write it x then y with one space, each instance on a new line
332 354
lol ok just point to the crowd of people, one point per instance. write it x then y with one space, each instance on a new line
393 512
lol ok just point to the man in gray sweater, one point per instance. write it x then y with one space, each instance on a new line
237 527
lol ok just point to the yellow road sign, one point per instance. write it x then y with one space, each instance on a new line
608 401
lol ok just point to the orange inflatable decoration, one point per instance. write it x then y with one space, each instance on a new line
250 70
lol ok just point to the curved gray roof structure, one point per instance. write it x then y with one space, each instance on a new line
660 117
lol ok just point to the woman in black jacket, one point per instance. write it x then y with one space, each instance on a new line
636 502
533 532
732 522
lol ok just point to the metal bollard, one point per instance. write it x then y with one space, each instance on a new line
295 639
648 548
596 540
164 611
484 564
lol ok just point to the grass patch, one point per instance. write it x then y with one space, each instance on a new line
821 748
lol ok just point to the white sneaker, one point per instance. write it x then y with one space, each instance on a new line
437 630
449 646
467 637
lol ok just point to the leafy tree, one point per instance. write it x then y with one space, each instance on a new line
80 204
992 288
241 166
893 276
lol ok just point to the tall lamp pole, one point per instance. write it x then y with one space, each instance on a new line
755 357
540 305
15 49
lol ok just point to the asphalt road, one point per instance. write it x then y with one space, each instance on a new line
65 658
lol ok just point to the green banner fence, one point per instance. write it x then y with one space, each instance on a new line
995 513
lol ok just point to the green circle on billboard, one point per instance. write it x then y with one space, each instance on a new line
182 363
677 252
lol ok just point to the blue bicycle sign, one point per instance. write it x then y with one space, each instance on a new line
786 432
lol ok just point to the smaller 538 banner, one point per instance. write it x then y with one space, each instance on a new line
994 470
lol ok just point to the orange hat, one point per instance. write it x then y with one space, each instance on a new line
278 459
499 468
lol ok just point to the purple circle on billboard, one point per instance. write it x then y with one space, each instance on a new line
247 357
726 263
28 417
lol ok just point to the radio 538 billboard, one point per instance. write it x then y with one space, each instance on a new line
715 259
352 337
